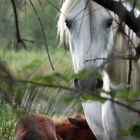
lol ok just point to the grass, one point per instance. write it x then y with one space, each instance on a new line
7 122
35 99
25 63
16 98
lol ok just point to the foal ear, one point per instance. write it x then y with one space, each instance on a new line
78 122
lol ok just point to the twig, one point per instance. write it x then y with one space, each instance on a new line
44 35
55 7
129 72
129 57
81 92
126 16
18 36
32 41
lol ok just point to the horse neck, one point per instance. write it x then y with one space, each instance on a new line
121 71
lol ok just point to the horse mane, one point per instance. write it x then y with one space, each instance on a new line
62 30
121 70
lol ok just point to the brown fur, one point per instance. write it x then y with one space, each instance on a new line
41 127
75 128
36 127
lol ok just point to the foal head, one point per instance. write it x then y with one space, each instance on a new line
36 127
74 128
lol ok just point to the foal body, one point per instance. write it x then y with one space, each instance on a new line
36 127
41 127
74 129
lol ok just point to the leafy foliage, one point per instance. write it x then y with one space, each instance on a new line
135 131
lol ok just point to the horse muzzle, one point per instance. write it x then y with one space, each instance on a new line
88 83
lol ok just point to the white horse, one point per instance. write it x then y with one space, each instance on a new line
96 46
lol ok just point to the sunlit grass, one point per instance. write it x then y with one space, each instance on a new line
25 63
8 119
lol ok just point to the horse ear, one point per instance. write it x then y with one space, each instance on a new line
78 122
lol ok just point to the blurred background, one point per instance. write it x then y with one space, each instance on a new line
28 61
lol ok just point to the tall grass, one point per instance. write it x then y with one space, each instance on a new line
29 65
16 97
25 63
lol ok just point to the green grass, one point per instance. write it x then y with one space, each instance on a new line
7 122
21 97
25 63
31 63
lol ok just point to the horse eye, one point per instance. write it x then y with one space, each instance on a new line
68 23
109 22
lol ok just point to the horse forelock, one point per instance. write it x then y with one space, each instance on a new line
62 30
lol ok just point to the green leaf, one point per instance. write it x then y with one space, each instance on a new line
135 131
83 74
52 78
88 96
32 65
61 77
45 79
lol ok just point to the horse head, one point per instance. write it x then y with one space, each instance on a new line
88 30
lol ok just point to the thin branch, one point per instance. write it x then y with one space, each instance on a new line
129 73
122 30
55 7
32 41
129 57
82 92
126 16
19 39
44 35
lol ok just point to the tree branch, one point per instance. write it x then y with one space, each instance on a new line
82 92
44 35
126 16
19 39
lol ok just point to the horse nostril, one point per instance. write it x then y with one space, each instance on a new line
76 85
88 84
99 83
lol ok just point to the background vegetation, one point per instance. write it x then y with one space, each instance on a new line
17 98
